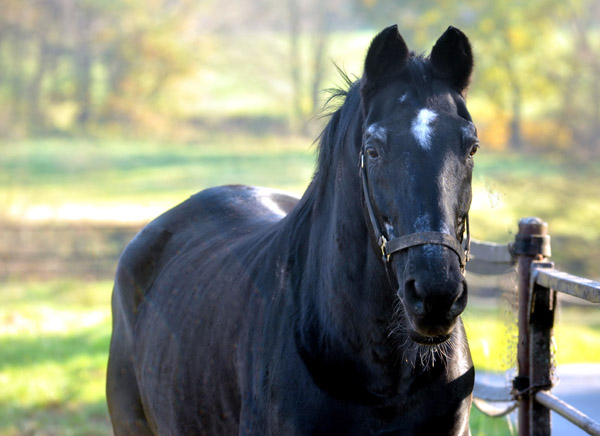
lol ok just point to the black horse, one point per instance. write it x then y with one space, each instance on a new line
246 311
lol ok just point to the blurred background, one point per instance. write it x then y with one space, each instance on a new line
112 111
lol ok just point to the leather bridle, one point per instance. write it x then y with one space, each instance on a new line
398 244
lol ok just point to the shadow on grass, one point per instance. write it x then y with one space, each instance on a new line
23 351
89 419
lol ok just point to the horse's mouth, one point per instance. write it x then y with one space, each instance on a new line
428 340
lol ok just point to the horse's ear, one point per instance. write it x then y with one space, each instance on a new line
387 54
452 58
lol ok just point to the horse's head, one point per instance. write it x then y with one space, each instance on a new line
417 160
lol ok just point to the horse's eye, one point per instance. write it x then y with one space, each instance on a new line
474 149
372 153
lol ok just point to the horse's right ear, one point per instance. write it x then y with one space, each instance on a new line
387 55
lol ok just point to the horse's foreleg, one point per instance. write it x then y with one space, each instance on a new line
124 405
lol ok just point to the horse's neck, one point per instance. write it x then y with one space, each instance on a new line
348 287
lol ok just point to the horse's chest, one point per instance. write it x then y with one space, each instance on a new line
300 407
342 418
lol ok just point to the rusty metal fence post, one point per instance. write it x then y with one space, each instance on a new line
541 324
532 243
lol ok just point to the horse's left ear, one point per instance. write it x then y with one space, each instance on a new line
452 58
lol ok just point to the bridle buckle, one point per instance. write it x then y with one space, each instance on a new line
383 245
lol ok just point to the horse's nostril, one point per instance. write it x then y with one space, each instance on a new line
460 302
412 298
437 299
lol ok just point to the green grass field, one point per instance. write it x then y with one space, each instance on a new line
55 173
53 351
135 181
54 335
58 180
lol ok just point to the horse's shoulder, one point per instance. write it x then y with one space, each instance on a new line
138 263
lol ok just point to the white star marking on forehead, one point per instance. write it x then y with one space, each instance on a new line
421 127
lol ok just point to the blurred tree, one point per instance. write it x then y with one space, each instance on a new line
578 73
509 74
14 36
83 59
86 64
265 35
110 59
313 20
140 46
538 62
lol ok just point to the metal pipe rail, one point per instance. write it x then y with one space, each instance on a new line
559 281
568 412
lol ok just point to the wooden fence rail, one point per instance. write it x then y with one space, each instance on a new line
538 286
62 250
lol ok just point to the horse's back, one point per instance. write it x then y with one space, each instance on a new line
219 214
174 268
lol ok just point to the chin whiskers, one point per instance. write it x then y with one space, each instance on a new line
425 356
418 355
397 327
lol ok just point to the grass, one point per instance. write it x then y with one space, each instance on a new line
54 344
492 334
53 352
52 179
562 192
137 180
59 172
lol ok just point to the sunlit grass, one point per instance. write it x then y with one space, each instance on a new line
68 180
47 175
53 353
134 181
492 335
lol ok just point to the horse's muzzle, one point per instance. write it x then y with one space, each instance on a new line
434 294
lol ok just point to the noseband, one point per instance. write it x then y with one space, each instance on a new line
395 245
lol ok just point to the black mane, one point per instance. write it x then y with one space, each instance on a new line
339 107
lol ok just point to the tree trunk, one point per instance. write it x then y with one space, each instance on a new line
319 70
516 134
83 69
34 89
516 137
295 64
320 49
17 74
